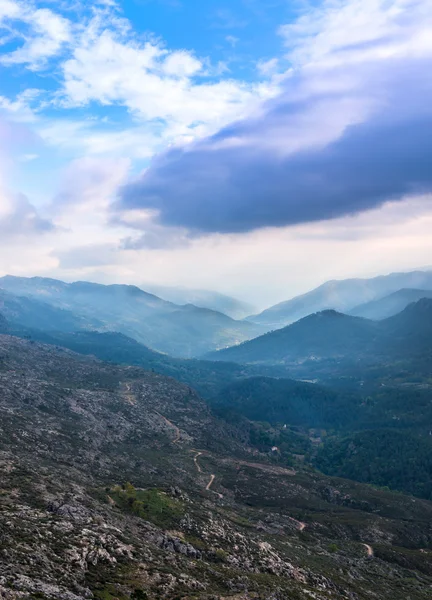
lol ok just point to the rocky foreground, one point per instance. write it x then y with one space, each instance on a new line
120 483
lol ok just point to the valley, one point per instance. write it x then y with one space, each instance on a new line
127 473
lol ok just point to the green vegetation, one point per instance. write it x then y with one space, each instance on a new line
399 460
286 401
152 505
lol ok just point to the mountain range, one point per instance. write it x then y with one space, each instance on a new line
251 474
183 331
344 296
234 308
332 335
389 305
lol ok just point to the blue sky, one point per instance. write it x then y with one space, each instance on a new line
215 144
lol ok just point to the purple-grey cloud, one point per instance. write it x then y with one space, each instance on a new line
334 142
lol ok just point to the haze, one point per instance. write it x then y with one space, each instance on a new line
257 149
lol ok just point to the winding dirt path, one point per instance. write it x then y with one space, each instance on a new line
128 395
196 462
369 549
210 483
212 476
300 525
176 429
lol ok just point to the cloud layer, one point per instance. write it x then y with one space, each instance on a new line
349 131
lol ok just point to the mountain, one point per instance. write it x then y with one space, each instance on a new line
232 307
411 329
33 313
207 377
343 296
327 334
177 330
120 483
389 305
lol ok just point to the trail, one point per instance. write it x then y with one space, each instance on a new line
210 483
369 549
273 469
212 476
129 397
176 429
196 462
301 526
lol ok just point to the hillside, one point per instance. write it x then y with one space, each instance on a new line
285 401
327 334
389 305
343 296
206 377
119 483
234 308
177 330
33 313
330 336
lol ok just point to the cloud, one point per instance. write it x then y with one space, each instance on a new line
88 256
156 237
88 184
19 218
169 89
111 91
47 33
349 132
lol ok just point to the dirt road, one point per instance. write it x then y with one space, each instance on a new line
196 462
210 483
300 525
176 429
128 395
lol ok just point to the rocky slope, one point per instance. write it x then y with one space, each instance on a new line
204 517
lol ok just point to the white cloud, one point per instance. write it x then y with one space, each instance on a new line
268 67
153 83
48 32
166 97
341 32
19 218
9 10
88 186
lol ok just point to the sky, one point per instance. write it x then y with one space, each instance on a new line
254 147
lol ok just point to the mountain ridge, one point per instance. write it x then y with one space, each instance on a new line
342 295
182 331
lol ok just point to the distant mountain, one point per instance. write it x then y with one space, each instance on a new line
30 312
329 335
177 330
207 377
389 305
411 329
324 334
232 307
343 296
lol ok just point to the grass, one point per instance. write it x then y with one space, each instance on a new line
153 505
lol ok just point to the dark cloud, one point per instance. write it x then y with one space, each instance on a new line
242 178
